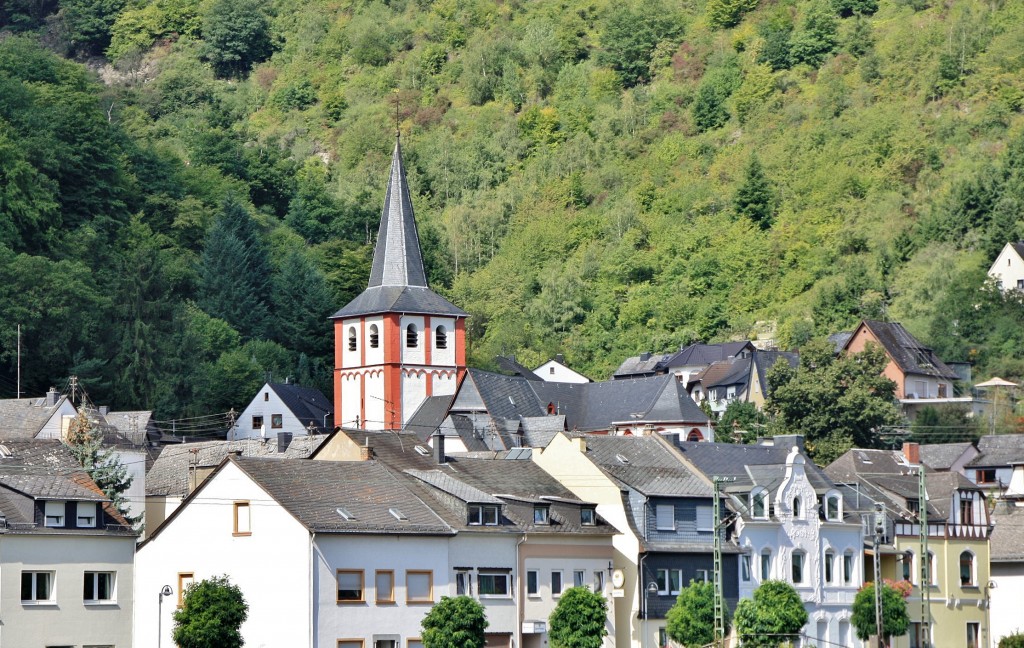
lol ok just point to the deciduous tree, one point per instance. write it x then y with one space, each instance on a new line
775 615
455 622
211 615
579 619
895 620
691 621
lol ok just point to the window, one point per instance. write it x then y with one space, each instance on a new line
541 514
412 338
798 508
598 581
930 569
670 581
257 422
798 567
1020 286
702 576
266 396
966 569
98 587
966 511
759 504
440 338
350 586
419 586
385 643
463 583
493 584
745 568
350 643
384 586
276 421
662 637
556 582
766 565
480 514
830 558
985 476
579 577
705 518
665 517
86 514
243 523
662 578
833 509
848 569
908 567
551 371
588 517
414 643
351 338
694 435
36 587
54 514
374 336
185 580
942 392
532 583
972 634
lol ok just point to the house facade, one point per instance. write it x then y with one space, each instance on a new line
283 409
555 370
919 374
1008 268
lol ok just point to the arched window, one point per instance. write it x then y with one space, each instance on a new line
799 558
440 338
848 568
830 560
966 569
694 435
759 504
908 567
412 337
798 510
551 408
834 507
374 336
351 338
766 565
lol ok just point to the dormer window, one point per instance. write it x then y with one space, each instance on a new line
54 514
759 504
352 338
486 515
374 336
86 514
541 514
588 517
441 338
412 337
833 507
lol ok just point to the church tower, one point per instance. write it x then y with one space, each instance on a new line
398 342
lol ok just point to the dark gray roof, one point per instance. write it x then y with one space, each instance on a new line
309 405
765 360
454 487
511 366
1019 247
538 431
907 352
738 373
1007 539
751 465
169 475
646 364
429 416
840 339
999 450
23 418
884 475
312 491
128 429
644 464
399 299
942 456
699 354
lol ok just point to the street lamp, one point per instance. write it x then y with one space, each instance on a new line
879 529
652 588
164 591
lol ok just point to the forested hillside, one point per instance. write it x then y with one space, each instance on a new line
189 188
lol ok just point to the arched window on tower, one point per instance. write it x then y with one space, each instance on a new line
440 338
412 337
694 435
351 338
374 336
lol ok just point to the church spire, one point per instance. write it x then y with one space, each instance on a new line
397 260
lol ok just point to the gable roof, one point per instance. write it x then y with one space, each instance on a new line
308 405
910 355
998 450
886 476
765 360
128 429
429 416
704 354
942 456
511 366
646 465
1007 539
750 465
23 418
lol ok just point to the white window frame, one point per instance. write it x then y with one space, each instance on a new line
703 576
89 517
745 568
766 565
54 514
463 581
96 576
665 517
799 557
561 583
848 568
759 496
661 577
830 567
598 581
34 595
579 577
833 507
495 576
588 516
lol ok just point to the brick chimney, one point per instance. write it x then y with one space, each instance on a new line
912 451
366 451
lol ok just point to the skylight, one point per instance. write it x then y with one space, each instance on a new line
398 515
622 459
420 449
344 513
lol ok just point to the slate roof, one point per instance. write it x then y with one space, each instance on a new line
737 373
23 418
127 429
750 465
1007 539
308 405
312 491
429 416
1019 247
704 354
907 352
998 450
454 487
765 360
398 282
510 366
942 456
840 339
538 431
646 364
644 464
169 475
885 475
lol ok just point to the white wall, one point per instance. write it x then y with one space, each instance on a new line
414 391
267 404
496 550
69 621
414 355
442 357
553 371
57 424
1008 268
1006 599
271 566
134 462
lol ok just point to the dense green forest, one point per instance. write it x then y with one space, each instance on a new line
189 188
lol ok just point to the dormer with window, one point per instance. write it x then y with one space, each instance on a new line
484 515
86 515
588 516
541 514
832 506
759 503
54 514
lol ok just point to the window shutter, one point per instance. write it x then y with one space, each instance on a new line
705 521
666 516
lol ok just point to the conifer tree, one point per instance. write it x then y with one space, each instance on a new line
302 302
727 13
85 443
755 198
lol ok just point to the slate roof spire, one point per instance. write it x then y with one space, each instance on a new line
397 260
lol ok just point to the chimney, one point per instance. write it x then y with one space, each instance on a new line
104 410
439 455
644 357
283 440
790 441
581 445
559 358
51 397
912 451
365 451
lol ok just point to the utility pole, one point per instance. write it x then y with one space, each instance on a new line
879 528
718 526
74 388
926 590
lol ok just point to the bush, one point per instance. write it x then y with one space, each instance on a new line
210 616
455 622
578 621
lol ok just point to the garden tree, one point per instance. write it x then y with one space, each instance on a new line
236 34
895 620
234 272
691 620
455 622
85 442
1015 640
740 416
817 36
301 303
832 401
630 35
755 199
579 619
946 424
727 13
774 616
211 615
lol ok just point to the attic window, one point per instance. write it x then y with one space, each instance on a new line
541 514
421 450
622 460
266 396
398 514
588 517
344 513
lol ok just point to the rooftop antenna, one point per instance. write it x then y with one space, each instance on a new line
398 130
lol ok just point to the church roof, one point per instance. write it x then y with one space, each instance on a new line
398 282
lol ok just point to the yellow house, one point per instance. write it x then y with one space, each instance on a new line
955 605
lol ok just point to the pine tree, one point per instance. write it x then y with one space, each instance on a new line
755 198
85 443
727 13
302 302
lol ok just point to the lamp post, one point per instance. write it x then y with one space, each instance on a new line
652 588
164 591
879 527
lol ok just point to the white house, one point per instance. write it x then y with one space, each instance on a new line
327 554
1006 591
44 417
283 409
555 370
1008 268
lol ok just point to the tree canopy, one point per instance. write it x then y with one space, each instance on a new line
579 620
691 620
211 615
455 622
895 620
772 617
